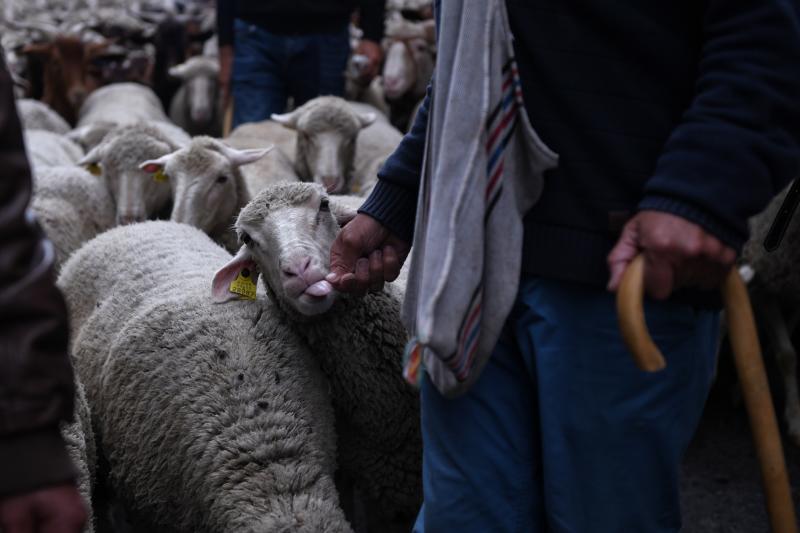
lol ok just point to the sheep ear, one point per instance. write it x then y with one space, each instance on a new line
222 286
94 156
288 120
154 165
244 157
366 119
342 213
179 71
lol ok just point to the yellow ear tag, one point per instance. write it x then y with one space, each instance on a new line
94 169
160 176
244 285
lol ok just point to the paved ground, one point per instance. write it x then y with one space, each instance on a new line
721 486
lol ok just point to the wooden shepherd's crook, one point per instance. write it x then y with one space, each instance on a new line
749 365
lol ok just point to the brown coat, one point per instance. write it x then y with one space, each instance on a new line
36 381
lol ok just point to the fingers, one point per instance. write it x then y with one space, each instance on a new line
345 251
622 254
391 263
678 253
376 276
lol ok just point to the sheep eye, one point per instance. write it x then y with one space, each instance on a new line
324 205
222 179
246 238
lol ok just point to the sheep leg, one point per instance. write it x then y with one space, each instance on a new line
776 328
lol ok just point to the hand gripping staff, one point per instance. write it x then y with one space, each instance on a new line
749 366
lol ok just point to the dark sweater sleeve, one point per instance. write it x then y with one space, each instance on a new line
372 17
226 13
36 382
737 144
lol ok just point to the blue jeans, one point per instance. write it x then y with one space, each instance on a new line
270 68
561 432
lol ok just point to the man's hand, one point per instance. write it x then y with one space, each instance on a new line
677 253
365 256
57 509
374 53
225 73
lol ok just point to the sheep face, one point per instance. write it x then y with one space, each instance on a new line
137 195
327 130
199 74
207 188
408 67
287 232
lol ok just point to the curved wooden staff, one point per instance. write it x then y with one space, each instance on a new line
749 366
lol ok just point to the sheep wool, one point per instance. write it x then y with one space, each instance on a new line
211 418
36 115
72 206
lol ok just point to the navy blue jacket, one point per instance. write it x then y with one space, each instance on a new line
685 106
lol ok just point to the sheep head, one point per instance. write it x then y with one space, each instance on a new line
327 130
286 232
138 196
207 188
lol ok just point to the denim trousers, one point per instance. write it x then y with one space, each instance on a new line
268 69
561 432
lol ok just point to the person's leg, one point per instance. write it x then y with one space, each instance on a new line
612 436
480 452
317 65
259 71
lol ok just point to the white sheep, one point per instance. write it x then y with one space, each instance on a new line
775 290
207 186
138 195
196 107
36 115
72 206
274 167
48 149
121 103
211 418
288 230
337 146
79 438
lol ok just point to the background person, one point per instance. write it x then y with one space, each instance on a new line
271 50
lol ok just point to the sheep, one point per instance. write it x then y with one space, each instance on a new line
138 194
338 147
775 290
79 438
196 107
121 103
208 189
48 149
409 50
211 418
36 115
72 206
287 231
276 166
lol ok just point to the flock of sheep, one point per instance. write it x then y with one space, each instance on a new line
207 401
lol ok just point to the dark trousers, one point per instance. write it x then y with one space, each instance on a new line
268 69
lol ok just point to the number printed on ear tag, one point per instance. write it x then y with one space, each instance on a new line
160 176
244 285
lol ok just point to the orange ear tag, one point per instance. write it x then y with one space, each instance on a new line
94 169
160 176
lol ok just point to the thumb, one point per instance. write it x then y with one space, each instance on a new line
344 254
623 253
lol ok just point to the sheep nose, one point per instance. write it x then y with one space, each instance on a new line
296 268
